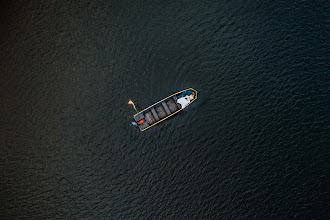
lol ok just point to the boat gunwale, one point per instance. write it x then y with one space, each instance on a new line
170 114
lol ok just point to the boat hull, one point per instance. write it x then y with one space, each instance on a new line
161 110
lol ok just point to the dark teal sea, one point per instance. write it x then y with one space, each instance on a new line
254 145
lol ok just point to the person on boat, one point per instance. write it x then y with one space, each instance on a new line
184 101
192 96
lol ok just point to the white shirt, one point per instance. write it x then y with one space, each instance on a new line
183 101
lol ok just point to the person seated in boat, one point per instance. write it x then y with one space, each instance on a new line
192 96
184 101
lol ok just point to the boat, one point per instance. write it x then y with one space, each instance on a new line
162 110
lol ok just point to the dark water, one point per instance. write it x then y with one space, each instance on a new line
254 145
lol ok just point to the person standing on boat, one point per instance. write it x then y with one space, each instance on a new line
184 101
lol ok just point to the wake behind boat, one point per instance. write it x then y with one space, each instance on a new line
164 109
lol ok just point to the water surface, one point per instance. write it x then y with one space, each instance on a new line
253 146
